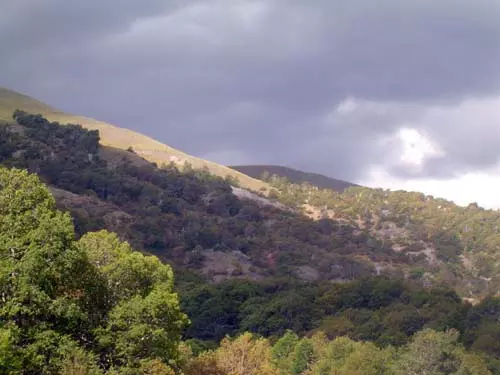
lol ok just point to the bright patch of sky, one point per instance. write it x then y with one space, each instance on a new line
416 147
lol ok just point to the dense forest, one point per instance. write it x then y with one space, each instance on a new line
259 288
93 305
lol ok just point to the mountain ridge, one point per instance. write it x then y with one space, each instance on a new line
121 138
295 176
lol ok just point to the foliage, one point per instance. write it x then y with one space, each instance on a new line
457 245
93 305
433 352
62 308
429 352
180 215
375 309
245 355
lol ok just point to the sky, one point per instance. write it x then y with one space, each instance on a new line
400 94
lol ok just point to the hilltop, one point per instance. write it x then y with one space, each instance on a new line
294 176
120 138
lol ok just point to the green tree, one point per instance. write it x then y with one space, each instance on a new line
10 359
437 353
68 306
302 356
283 349
370 360
127 272
43 276
145 320
143 327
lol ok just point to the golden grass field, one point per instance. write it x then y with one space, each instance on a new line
120 138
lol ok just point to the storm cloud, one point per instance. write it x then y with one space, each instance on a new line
326 86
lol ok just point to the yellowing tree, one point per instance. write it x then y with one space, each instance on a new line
245 355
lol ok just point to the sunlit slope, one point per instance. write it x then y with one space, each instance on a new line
121 138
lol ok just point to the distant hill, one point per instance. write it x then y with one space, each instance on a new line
120 138
294 176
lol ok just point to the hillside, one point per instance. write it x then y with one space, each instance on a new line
197 221
120 138
460 244
95 306
294 176
188 217
378 266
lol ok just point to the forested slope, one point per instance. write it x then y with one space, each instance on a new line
456 245
190 217
95 306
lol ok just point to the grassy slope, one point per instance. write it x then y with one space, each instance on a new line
294 176
121 138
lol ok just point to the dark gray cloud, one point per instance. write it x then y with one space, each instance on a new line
262 81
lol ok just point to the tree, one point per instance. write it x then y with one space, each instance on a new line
245 355
435 353
368 359
283 349
127 272
61 299
144 320
302 356
10 358
143 327
204 364
43 276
